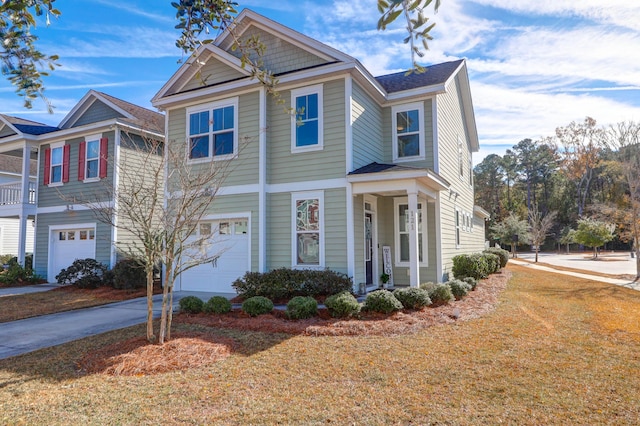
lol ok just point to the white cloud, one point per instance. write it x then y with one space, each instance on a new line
132 9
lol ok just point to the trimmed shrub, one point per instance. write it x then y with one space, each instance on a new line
501 253
83 273
342 305
257 305
381 301
459 288
493 262
302 307
440 294
217 305
128 274
191 304
470 265
285 283
471 281
412 298
15 273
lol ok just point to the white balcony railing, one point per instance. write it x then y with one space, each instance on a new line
11 193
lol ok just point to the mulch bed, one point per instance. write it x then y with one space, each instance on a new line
137 357
108 292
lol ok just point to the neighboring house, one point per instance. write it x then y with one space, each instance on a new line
369 172
80 161
18 181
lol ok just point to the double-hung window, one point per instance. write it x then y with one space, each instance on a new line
408 131
212 130
93 156
403 227
308 227
307 119
56 164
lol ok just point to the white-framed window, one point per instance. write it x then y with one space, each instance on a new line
470 170
307 243
458 225
212 130
56 164
402 219
307 119
408 131
92 159
460 159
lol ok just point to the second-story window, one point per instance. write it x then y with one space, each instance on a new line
408 131
56 165
306 127
92 158
212 132
93 155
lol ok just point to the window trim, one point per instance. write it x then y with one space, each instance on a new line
57 145
210 107
298 196
304 91
92 138
419 106
460 159
424 235
458 227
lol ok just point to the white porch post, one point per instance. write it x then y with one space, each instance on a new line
22 230
414 258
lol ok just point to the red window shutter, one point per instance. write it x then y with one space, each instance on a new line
104 151
66 155
47 166
82 154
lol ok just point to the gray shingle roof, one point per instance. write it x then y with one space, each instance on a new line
381 167
434 74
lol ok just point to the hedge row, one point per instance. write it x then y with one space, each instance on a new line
479 265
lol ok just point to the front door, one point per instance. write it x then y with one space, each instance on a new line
368 247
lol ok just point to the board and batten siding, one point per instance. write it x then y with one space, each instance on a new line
102 236
366 129
328 163
49 196
9 232
95 113
280 56
451 126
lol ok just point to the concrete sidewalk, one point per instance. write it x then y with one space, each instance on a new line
634 285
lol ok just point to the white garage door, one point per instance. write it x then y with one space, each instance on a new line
69 245
230 243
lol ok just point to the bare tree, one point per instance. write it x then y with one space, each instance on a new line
624 138
157 203
540 225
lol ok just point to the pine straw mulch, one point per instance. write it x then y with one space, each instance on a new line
107 292
137 357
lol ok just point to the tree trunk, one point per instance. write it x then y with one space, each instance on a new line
536 254
149 272
165 301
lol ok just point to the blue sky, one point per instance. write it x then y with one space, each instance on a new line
533 66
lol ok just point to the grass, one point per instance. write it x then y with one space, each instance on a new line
63 299
557 350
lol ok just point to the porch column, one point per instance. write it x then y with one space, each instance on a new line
24 202
414 258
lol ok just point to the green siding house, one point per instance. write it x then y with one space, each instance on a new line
362 175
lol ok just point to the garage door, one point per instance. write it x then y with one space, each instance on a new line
69 245
230 243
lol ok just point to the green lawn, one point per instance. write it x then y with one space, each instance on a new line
557 350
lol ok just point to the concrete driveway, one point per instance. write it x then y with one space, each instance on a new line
27 335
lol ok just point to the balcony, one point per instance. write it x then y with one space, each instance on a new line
11 198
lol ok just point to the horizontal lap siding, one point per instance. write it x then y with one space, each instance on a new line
367 129
103 236
451 124
9 232
329 163
75 189
279 228
335 224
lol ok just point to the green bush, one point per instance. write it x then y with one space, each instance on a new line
381 301
459 288
285 283
217 305
15 273
470 265
501 253
301 307
440 294
493 262
257 305
129 274
412 298
191 305
83 273
342 305
471 281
